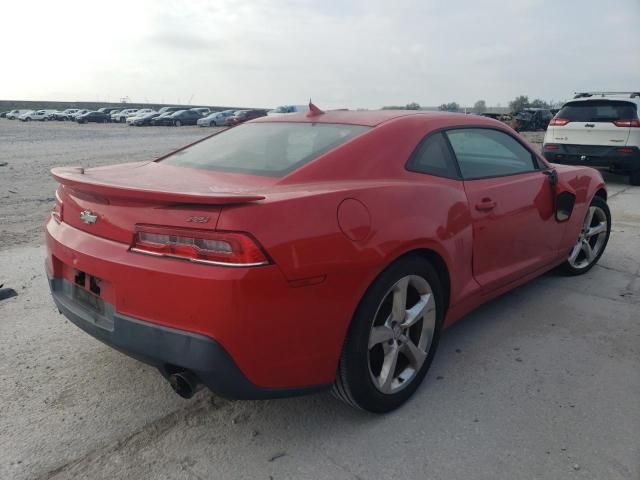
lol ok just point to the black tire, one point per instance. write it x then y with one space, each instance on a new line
634 178
354 384
570 270
177 123
28 119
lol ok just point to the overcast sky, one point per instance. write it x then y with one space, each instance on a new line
360 53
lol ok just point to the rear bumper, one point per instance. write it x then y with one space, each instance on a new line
168 349
595 156
249 318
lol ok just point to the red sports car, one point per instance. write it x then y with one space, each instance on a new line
304 252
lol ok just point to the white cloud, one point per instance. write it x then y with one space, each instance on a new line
357 53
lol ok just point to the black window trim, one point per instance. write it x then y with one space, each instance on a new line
539 165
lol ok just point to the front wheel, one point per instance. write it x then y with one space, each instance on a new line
177 123
592 239
393 337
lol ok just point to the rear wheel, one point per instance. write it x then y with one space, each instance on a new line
592 239
634 178
393 337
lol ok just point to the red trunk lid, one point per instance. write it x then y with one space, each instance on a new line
115 199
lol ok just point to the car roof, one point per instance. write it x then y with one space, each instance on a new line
369 118
624 97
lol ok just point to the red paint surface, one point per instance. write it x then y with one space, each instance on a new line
284 324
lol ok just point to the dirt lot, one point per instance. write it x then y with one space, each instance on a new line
541 383
33 149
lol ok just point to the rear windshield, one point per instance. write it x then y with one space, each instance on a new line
272 149
598 111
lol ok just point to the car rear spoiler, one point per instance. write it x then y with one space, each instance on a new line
75 178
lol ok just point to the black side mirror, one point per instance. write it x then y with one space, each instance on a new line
564 206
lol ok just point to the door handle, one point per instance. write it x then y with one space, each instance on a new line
485 205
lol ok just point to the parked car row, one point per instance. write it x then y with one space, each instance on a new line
526 120
166 116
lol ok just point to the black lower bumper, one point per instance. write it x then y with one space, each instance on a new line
168 349
620 161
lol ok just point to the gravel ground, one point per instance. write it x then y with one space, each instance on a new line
32 149
542 383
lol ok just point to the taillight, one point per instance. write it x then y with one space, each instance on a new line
558 122
625 149
634 122
232 249
551 146
57 210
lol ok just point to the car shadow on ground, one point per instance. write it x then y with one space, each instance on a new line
469 334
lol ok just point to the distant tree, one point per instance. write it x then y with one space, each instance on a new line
519 103
413 106
537 103
480 106
449 107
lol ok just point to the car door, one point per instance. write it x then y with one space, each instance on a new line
511 202
193 117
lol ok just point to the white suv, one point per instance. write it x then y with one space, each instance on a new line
41 115
599 129
122 115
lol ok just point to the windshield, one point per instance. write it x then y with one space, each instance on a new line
598 111
272 149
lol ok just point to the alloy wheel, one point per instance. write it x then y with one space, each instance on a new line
401 334
591 239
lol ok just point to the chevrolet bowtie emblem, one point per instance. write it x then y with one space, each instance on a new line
87 217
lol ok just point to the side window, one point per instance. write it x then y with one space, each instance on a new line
433 157
483 152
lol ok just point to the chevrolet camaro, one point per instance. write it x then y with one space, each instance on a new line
319 250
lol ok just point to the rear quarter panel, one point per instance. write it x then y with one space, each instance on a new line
328 273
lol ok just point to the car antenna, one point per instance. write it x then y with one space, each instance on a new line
313 110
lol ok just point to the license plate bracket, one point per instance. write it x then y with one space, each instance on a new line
88 300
